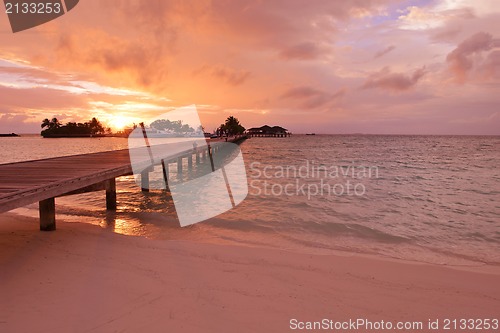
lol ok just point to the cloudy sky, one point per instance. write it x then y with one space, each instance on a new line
324 66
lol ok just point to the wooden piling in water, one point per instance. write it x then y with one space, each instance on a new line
47 209
145 181
179 165
110 186
166 173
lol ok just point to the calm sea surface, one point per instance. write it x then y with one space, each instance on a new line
425 198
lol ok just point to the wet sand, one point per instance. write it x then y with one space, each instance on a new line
83 278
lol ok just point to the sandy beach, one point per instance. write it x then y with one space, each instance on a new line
352 183
82 278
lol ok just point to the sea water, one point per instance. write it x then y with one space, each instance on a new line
423 198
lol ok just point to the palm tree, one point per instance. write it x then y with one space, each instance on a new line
55 123
222 129
95 126
45 123
233 126
51 124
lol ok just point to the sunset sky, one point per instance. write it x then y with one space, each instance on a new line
324 66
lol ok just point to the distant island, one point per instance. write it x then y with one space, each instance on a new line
8 135
158 128
54 129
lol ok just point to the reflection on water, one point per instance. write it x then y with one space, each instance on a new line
132 227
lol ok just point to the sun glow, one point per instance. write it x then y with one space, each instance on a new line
118 122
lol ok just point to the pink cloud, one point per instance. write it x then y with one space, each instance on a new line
303 51
311 98
461 60
256 59
387 80
117 57
491 65
39 98
383 52
226 74
16 123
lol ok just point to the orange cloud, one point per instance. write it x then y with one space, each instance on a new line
263 61
226 74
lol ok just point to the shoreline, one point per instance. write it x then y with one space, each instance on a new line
82 277
460 264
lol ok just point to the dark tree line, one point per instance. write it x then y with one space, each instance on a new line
54 127
175 126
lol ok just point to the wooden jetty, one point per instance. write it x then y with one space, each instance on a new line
24 183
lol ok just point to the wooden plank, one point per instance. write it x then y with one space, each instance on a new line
91 188
56 188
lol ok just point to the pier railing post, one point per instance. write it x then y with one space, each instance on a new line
47 210
110 186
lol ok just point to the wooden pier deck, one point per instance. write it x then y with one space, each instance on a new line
24 183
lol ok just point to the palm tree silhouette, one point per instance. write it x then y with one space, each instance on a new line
233 126
55 123
45 123
50 124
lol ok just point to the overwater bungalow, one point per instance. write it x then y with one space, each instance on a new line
268 131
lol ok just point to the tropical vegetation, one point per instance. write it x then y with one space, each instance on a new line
90 128
232 126
175 126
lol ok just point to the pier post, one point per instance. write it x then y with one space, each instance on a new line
179 165
110 186
190 162
197 158
166 173
47 209
145 180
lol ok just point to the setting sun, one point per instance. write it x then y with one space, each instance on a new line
119 123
